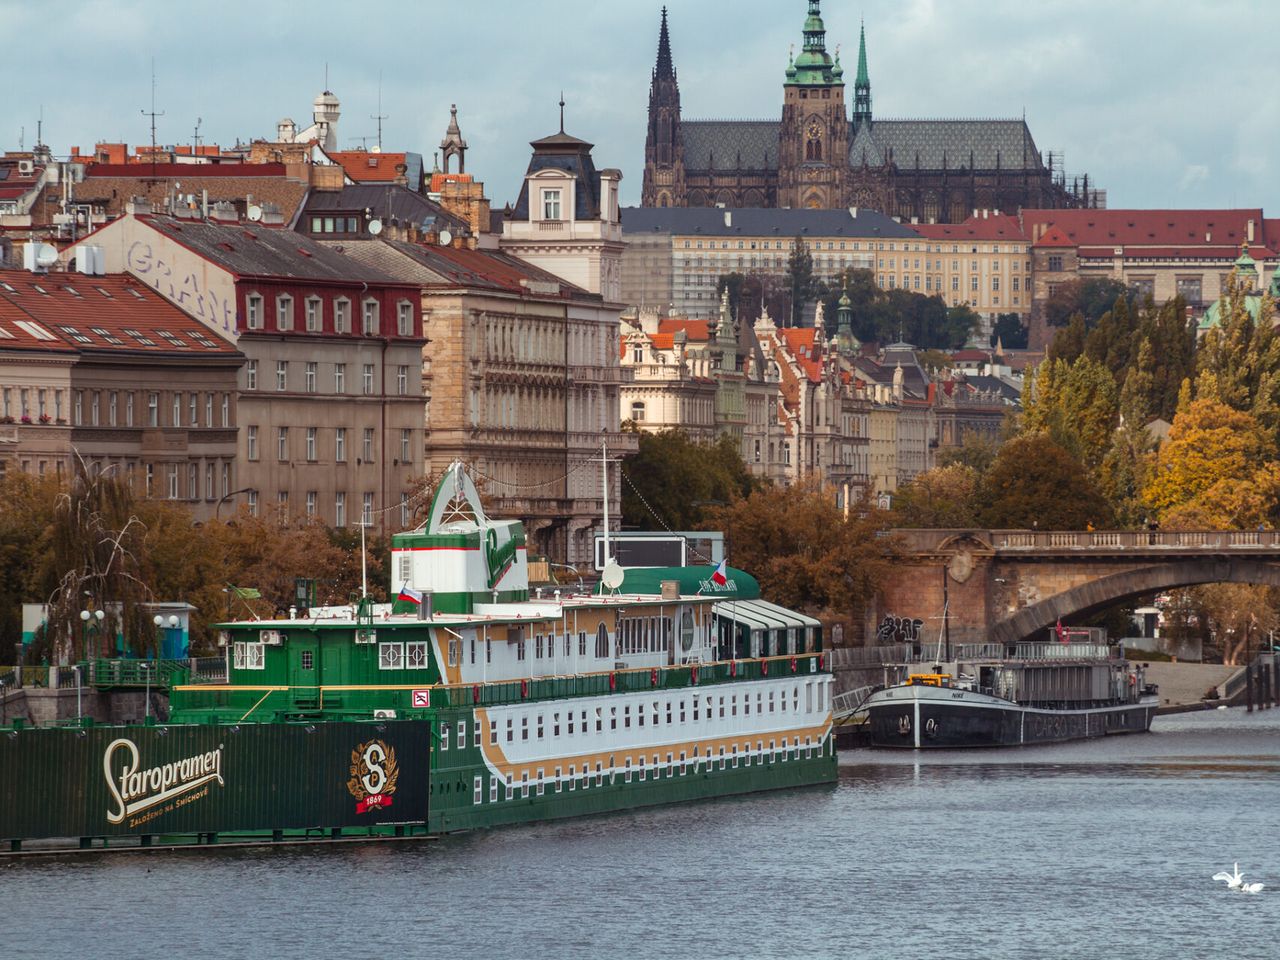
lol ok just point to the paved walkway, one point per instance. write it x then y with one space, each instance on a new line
1184 683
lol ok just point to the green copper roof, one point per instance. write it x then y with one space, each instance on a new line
693 581
1245 265
814 66
863 77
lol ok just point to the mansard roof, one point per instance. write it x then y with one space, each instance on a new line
753 144
762 222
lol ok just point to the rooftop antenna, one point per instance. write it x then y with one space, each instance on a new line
379 116
562 111
326 76
364 563
40 127
364 142
22 138
153 114
195 138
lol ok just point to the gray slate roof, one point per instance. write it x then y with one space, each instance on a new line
753 144
761 222
390 201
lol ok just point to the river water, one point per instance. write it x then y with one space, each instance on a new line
1101 849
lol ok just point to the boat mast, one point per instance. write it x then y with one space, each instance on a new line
604 489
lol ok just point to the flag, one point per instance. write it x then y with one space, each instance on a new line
1062 636
719 578
247 593
410 595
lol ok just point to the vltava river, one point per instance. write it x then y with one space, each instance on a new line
1100 849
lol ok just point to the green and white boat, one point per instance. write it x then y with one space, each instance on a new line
667 687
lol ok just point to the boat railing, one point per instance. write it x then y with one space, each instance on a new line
848 703
1071 650
207 670
979 651
128 672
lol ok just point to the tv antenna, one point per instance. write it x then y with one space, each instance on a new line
380 116
153 114
195 138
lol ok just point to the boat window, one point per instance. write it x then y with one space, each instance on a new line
493 789
602 642
444 737
248 656
479 789
524 728
415 655
462 734
555 725
510 730
626 717
541 781
510 789
390 656
493 734
539 726
559 782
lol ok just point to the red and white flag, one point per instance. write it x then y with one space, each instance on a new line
1062 634
410 595
720 578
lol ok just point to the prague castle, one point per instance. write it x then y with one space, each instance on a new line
820 156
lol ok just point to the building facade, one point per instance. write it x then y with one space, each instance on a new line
821 154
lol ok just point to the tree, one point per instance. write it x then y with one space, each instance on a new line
672 480
962 323
1089 297
1124 469
943 497
29 504
1217 469
1173 354
799 279
1239 360
1239 616
976 451
1068 343
1036 482
806 554
1010 331
1076 404
734 283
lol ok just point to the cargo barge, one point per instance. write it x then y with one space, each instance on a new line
465 703
988 696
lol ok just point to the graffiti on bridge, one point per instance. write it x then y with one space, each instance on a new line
899 630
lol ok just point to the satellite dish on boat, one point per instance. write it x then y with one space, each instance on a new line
375 227
612 575
254 213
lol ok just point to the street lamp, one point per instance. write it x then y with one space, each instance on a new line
92 620
160 623
227 496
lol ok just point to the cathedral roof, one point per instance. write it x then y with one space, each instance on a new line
753 144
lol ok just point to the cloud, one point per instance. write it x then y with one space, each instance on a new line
1194 174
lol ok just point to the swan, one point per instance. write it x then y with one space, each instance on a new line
1232 881
1251 887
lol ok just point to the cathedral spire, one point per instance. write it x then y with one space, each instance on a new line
665 68
862 85
814 66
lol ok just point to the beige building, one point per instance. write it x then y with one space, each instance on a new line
329 396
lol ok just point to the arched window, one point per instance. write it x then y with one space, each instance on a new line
637 411
602 642
813 149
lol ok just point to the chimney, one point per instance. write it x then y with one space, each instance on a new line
853 212
1249 231
137 206
224 212
728 218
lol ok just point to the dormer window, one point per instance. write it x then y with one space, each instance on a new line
253 311
551 204
284 312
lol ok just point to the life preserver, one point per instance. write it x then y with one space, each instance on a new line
793 664
821 661
613 681
653 677
475 694
524 688
1133 679
764 668
733 668
693 674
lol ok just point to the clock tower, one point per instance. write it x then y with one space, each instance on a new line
813 139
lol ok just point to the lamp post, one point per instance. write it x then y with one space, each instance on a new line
160 623
92 620
225 497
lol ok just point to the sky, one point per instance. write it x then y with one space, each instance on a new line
1162 104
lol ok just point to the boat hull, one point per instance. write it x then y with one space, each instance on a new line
926 717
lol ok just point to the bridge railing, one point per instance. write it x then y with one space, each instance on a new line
921 541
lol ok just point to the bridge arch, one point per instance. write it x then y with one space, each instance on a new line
1089 598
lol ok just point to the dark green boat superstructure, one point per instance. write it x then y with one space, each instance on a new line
495 707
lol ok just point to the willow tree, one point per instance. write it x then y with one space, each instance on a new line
94 560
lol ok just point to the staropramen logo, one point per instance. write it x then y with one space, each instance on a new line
373 775
134 790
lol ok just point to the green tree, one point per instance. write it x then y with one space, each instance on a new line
1068 343
977 451
1173 355
1010 331
1090 297
944 497
961 324
1239 360
799 279
735 283
1124 468
1076 404
672 480
806 554
1036 482
29 505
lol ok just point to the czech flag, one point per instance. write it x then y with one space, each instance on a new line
410 595
719 578
1062 635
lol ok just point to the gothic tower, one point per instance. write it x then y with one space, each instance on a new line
813 140
663 184
453 145
862 85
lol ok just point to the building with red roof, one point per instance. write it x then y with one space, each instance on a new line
104 369
1159 253
983 263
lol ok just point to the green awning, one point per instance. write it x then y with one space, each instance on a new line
693 580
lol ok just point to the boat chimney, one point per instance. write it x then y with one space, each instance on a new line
425 611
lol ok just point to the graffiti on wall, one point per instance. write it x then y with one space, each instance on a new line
899 630
184 291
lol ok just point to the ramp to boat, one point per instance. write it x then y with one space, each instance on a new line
1183 684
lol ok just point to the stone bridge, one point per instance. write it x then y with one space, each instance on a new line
1008 585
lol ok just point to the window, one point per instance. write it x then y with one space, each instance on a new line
406 441
477 794
973 283
637 411
415 655
342 315
251 375
366 517
369 315
311 503
402 380
367 379
208 410
284 312
404 318
367 445
282 443
252 497
282 375
313 314
602 642
311 444
550 204
340 509
253 311
391 657
340 445
208 481
995 283
1189 289
173 481
1055 263
177 410
153 409
309 378
248 656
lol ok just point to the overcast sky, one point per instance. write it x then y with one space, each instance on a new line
1163 104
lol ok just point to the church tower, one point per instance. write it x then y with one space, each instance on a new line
862 85
813 140
663 184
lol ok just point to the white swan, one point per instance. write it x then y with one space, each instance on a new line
1232 880
1251 887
